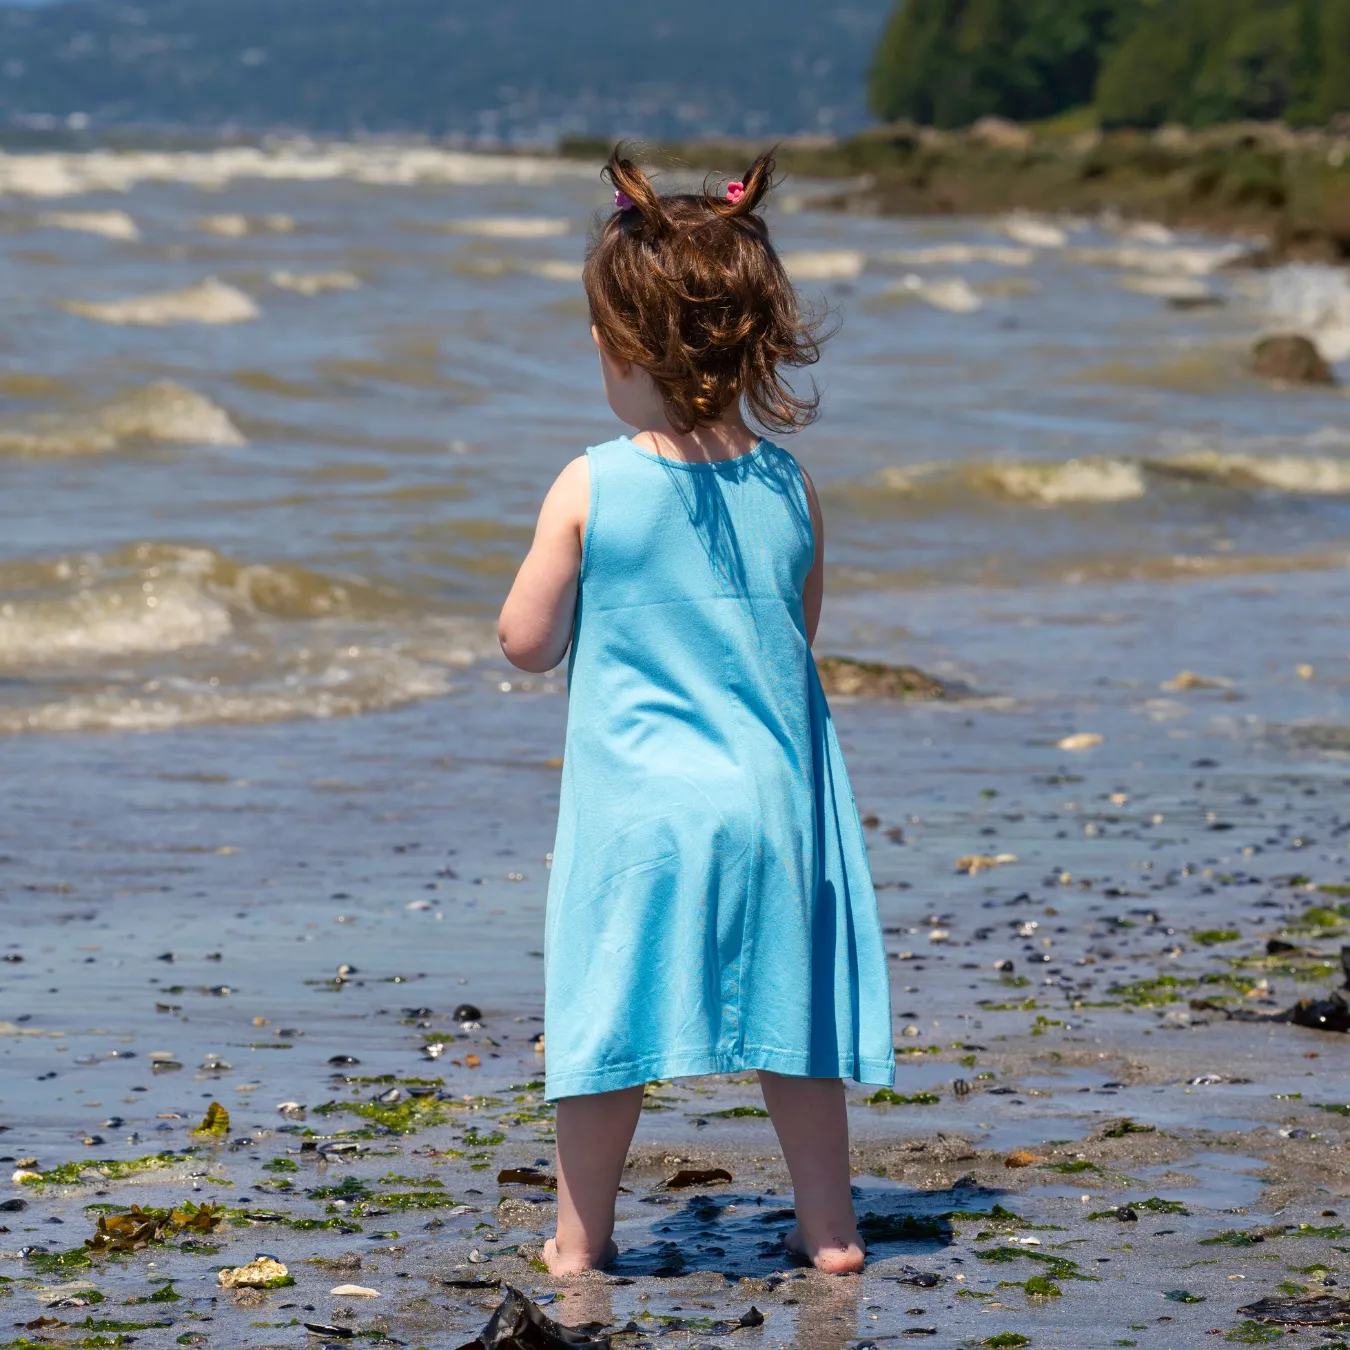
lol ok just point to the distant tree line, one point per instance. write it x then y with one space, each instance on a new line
1139 63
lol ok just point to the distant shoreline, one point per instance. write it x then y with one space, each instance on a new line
1287 192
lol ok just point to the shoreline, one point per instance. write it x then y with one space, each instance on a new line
1287 192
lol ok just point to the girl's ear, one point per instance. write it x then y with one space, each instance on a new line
617 364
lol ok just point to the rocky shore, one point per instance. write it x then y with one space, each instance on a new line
1288 191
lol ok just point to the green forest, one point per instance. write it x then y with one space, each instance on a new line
1126 63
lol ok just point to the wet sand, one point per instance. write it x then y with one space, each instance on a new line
216 882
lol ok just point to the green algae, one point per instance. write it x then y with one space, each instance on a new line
740 1113
1254 1333
1039 1287
1072 1168
281 1165
406 1117
1148 993
1183 1296
475 1138
1061 1267
1214 937
58 1263
889 1097
904 1228
1008 1340
405 1200
1120 1128
109 1169
1004 1218
1152 1205
110 1324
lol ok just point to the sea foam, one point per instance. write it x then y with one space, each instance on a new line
159 412
209 302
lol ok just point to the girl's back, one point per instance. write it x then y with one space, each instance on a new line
705 860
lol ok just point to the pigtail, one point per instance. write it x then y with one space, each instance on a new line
636 200
738 200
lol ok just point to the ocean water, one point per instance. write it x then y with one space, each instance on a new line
274 422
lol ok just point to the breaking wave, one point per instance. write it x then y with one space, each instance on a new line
315 283
954 295
1106 481
839 264
954 255
159 635
1186 262
233 226
1314 301
1034 231
163 412
210 301
343 686
112 620
75 173
109 224
510 227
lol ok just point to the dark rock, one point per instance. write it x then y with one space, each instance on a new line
519 1324
695 1176
529 1176
466 1012
1292 358
873 679
1321 1014
1314 1310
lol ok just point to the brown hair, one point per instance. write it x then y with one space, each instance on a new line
689 287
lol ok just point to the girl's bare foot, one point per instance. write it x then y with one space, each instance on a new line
833 1258
575 1263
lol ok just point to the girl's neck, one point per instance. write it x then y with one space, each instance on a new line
727 438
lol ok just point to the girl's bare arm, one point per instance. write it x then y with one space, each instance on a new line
535 627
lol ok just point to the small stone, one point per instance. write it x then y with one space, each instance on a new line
354 1291
1292 359
255 1275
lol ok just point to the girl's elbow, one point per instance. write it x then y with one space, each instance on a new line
534 657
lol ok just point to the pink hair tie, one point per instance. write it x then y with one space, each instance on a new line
622 201
735 191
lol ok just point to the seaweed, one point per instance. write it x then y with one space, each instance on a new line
1254 1333
889 1097
904 1228
109 1169
216 1122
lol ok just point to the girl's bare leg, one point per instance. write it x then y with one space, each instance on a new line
812 1126
594 1133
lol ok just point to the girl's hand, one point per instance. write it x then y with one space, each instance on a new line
535 627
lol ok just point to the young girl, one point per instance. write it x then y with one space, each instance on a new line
710 908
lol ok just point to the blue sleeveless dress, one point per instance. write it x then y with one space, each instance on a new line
710 908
